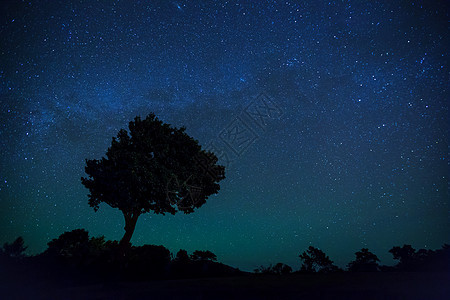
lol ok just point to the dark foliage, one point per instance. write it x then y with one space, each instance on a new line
278 269
263 270
76 256
147 261
282 269
404 254
153 167
70 244
182 256
203 255
79 259
107 259
421 260
15 249
315 260
365 261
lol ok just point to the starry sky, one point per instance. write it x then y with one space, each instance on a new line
352 150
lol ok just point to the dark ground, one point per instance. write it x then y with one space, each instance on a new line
379 285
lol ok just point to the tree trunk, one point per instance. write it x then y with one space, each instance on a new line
130 224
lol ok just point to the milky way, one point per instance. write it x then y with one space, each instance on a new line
353 154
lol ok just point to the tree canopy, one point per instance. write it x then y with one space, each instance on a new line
15 249
153 167
405 254
203 255
70 244
315 260
182 256
365 261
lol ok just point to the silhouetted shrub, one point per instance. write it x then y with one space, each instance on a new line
404 254
365 261
148 261
315 260
15 249
182 256
75 257
278 269
282 269
264 270
71 244
422 260
203 255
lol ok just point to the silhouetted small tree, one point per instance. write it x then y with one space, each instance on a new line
153 167
281 269
97 245
365 261
70 244
422 259
77 249
278 269
315 260
405 255
264 270
203 255
182 256
15 249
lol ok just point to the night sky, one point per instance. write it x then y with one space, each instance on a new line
352 150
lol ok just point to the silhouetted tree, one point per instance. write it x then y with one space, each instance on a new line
365 261
70 244
264 270
423 254
97 245
182 256
15 249
154 167
422 259
203 255
315 260
278 269
281 269
76 248
405 255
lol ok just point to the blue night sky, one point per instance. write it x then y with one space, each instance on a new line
354 152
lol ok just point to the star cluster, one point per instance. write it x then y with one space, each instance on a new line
357 155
